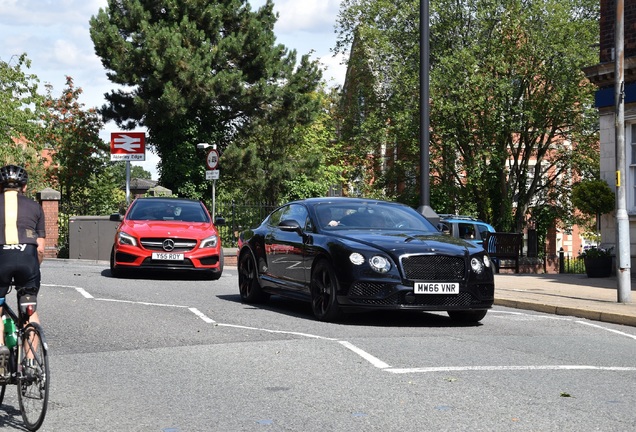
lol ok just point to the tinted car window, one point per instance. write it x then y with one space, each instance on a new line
295 212
165 210
361 216
466 230
276 216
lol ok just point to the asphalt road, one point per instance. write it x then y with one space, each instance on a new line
170 354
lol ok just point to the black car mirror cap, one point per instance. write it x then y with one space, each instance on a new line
115 217
290 225
219 221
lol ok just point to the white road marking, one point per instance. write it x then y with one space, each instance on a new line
365 355
307 335
510 368
141 303
379 363
201 315
606 329
82 291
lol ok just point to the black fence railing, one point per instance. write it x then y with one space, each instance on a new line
572 265
239 216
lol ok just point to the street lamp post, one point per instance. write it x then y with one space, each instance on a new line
211 163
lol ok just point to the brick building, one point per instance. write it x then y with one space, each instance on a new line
603 75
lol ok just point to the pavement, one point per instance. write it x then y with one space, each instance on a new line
567 294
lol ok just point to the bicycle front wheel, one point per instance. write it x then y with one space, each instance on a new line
33 379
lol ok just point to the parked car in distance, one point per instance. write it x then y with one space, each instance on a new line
160 233
350 254
465 227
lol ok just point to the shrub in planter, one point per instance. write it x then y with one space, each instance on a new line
598 262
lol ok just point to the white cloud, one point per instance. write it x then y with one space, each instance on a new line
336 69
312 16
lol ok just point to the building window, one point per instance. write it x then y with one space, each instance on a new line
630 139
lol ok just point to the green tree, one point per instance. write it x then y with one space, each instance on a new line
512 116
197 71
21 107
78 154
593 197
284 158
527 125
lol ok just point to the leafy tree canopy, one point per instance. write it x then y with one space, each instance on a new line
20 110
196 71
512 117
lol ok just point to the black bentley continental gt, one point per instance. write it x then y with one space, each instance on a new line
351 254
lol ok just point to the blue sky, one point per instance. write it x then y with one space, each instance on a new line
55 36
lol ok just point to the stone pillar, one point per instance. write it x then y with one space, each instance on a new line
50 201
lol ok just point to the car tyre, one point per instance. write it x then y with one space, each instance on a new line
114 271
249 287
216 275
467 316
324 290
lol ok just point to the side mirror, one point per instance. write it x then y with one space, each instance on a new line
116 217
290 225
219 221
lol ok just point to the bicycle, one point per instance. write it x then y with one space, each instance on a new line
28 366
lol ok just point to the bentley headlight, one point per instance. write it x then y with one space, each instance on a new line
486 261
127 239
380 264
356 258
476 265
209 242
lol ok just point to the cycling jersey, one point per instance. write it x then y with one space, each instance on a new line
21 224
29 222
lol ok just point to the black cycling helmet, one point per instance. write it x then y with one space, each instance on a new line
13 176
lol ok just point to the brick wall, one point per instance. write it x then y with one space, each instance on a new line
607 22
50 201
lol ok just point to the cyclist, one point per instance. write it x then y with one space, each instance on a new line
22 233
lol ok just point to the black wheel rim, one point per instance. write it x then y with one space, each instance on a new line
323 289
247 275
33 393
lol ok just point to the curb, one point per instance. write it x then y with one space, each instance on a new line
608 317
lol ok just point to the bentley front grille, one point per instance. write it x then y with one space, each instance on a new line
433 268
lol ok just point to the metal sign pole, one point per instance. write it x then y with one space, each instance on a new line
127 182
213 199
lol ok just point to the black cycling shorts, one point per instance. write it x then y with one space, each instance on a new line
19 266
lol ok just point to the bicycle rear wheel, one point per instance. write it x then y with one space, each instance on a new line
33 381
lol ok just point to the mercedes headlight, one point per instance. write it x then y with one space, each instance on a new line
209 242
127 239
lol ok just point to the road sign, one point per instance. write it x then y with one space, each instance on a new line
212 174
212 161
129 146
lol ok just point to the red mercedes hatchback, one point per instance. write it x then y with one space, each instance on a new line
174 234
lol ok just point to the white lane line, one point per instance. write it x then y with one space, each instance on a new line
365 355
201 315
307 335
607 329
82 291
374 360
510 368
141 303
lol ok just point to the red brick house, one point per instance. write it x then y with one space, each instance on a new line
603 75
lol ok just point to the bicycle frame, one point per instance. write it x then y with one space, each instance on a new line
21 322
31 344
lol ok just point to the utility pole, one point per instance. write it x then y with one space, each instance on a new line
425 193
623 256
